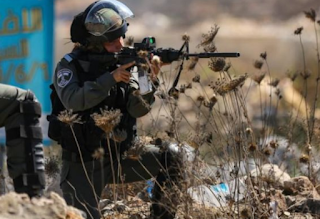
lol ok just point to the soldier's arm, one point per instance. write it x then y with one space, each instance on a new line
139 105
76 97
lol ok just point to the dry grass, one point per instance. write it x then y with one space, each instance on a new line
233 119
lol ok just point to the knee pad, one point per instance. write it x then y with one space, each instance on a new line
29 133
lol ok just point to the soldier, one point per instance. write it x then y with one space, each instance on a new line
86 82
20 113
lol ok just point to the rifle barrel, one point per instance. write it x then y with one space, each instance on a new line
214 54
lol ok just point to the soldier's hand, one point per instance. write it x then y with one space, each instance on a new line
121 74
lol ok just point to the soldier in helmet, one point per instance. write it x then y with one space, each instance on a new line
20 113
86 82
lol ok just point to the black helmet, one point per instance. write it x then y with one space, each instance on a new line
104 20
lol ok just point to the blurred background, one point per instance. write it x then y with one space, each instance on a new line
249 27
246 26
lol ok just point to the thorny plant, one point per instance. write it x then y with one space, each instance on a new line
230 143
234 142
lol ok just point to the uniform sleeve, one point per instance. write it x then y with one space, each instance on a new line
139 105
76 97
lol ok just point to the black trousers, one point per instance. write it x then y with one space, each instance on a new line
79 193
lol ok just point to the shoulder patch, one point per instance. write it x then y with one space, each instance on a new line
64 76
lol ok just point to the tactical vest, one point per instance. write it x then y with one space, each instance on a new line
88 136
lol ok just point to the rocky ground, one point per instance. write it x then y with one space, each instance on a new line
281 197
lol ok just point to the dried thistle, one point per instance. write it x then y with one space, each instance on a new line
210 48
273 144
182 88
305 74
193 63
137 149
174 93
258 64
143 54
298 31
252 147
227 66
274 82
248 131
278 93
266 151
263 55
196 79
217 64
98 153
311 14
209 37
304 158
246 213
107 119
292 76
189 86
226 87
52 166
258 77
69 118
119 135
129 41
308 148
186 37
200 98
212 101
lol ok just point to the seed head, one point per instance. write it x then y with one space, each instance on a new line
68 117
292 76
196 79
119 135
200 98
98 153
298 31
258 77
233 84
266 151
107 119
273 144
305 74
193 63
252 147
143 54
186 37
311 15
189 86
304 158
52 166
263 55
227 66
182 88
274 82
258 64
217 64
210 48
209 37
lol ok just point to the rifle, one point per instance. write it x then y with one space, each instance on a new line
148 47
169 55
